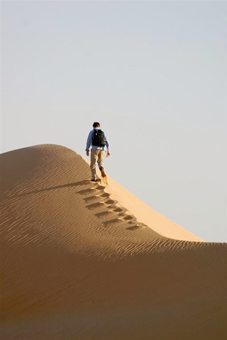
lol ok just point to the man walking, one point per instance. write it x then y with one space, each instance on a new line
98 142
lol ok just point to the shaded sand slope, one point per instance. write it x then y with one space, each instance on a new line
79 263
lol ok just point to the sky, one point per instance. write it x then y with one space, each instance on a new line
154 74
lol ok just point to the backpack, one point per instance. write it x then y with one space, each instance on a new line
98 138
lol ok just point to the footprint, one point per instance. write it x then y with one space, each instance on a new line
91 198
120 214
95 205
120 210
129 217
105 195
110 201
100 187
113 220
134 227
86 191
103 213
137 226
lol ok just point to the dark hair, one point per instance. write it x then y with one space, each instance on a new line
96 124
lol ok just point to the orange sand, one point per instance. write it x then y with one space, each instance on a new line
81 260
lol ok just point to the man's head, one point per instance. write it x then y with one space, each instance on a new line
96 125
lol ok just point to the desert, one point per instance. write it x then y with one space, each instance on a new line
82 260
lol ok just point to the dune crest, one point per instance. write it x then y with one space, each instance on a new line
85 260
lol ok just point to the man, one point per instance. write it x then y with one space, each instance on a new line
98 142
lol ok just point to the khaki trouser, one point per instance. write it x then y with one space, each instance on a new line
96 156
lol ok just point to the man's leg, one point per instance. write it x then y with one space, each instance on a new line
94 157
101 156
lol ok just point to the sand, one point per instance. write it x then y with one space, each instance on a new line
82 260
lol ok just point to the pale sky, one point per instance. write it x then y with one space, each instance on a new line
153 73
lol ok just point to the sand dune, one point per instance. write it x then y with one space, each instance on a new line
81 260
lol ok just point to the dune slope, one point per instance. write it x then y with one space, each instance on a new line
81 260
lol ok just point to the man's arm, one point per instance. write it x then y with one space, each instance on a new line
89 142
107 145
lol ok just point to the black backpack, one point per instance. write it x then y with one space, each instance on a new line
98 138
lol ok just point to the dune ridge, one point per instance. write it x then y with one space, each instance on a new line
85 260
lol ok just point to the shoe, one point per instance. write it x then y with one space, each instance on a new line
102 172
